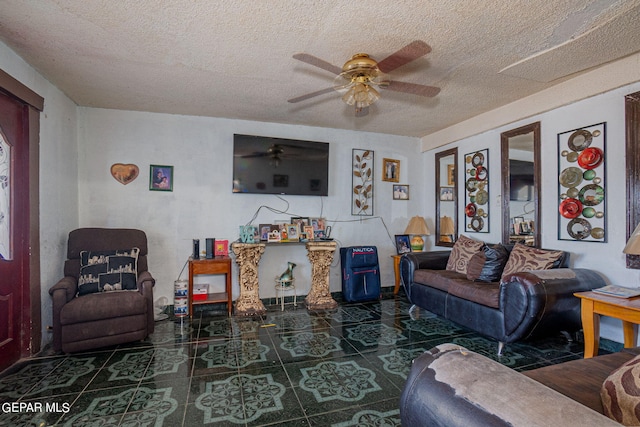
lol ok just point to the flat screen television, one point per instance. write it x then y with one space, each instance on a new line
266 165
521 180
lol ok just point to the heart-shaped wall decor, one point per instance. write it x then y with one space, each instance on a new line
124 174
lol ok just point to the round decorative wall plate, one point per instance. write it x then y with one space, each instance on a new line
591 195
580 139
590 158
579 228
570 177
124 173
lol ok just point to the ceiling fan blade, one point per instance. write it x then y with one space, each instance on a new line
410 52
315 61
362 112
311 95
412 88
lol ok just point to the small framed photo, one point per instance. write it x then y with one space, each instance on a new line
403 245
446 194
221 248
308 230
451 174
400 192
264 232
301 221
391 170
161 178
293 232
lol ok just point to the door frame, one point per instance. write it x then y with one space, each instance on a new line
31 337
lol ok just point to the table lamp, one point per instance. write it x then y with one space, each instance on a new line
447 230
417 228
633 244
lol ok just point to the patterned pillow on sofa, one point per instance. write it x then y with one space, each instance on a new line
525 258
105 271
462 251
620 394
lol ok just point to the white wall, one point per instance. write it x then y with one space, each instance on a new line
202 204
606 258
58 174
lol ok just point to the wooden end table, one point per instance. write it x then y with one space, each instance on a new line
594 305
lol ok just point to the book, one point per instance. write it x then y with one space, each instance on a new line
618 291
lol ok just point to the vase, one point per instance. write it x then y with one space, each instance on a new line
286 278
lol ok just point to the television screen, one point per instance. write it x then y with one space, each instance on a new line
521 180
265 165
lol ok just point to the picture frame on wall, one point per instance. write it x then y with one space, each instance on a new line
160 178
391 170
446 194
400 192
403 245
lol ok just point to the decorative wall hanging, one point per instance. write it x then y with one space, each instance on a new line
391 170
124 173
161 178
362 182
476 210
581 184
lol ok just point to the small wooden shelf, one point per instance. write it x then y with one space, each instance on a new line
217 265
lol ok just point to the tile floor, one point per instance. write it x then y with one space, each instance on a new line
344 367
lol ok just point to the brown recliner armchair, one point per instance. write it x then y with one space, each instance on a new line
103 318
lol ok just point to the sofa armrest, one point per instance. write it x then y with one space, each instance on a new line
409 263
146 282
452 386
544 297
68 285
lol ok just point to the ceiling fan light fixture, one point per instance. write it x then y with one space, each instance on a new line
361 95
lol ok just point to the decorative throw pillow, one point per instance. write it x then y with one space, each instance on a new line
487 265
525 258
104 271
620 394
462 252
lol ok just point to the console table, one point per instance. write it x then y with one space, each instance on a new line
247 257
217 265
321 255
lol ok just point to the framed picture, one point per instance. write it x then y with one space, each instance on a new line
391 170
293 232
308 231
400 192
161 178
274 234
264 231
446 194
301 221
451 174
221 248
280 180
403 245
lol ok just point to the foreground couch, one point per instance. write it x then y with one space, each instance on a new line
90 314
451 386
504 305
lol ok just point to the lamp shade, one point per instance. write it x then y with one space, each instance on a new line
417 225
446 225
633 245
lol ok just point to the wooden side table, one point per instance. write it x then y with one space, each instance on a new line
217 265
396 270
594 305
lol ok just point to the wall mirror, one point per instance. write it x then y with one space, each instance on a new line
446 197
520 149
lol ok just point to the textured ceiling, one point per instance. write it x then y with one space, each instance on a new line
233 59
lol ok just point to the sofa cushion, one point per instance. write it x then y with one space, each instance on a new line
487 294
439 279
103 271
620 394
462 252
525 258
102 306
487 265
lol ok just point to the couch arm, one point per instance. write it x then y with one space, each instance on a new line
451 386
146 282
61 293
532 301
409 263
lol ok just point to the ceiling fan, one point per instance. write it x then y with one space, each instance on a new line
361 73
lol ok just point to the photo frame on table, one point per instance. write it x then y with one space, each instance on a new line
160 178
403 244
400 192
391 170
221 248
